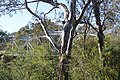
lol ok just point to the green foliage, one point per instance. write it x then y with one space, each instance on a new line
88 66
29 65
41 62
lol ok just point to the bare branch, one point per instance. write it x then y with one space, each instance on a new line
89 24
48 1
49 11
81 15
93 27
37 6
66 11
57 5
49 38
43 27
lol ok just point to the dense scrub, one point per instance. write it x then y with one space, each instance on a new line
41 63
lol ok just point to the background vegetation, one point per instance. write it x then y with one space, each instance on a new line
41 63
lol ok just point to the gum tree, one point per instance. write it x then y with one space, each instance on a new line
102 15
69 25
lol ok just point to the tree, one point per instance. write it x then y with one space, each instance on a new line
99 16
70 24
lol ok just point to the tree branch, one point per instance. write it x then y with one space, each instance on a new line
89 24
73 10
81 15
66 11
49 11
43 27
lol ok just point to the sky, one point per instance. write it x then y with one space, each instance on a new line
21 19
14 23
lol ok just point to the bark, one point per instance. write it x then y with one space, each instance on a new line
67 56
84 39
69 30
100 35
66 48
60 66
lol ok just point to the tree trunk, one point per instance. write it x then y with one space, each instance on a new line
84 39
69 30
65 51
60 67
100 36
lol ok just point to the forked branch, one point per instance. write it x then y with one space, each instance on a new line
83 11
43 27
